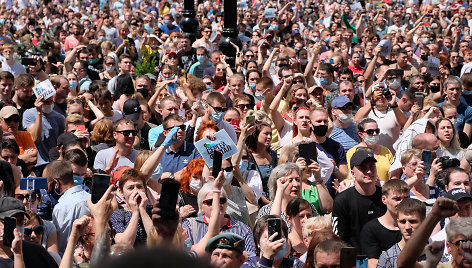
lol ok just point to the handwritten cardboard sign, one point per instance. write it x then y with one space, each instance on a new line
269 13
44 89
222 143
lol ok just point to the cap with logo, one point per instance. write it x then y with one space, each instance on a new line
131 109
458 194
226 241
360 156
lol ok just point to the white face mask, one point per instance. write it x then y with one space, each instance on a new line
228 177
196 185
394 83
47 109
371 140
344 118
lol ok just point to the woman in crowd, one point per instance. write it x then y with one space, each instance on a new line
298 212
448 140
36 231
132 223
109 69
191 182
368 131
102 135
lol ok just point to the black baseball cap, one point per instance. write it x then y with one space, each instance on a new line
360 156
10 206
131 109
458 194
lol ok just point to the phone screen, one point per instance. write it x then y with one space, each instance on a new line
81 128
274 226
217 159
100 184
168 199
308 151
419 98
9 224
427 158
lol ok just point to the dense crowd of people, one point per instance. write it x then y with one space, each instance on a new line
347 132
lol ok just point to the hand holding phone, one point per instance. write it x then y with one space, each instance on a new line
274 225
100 185
168 199
217 160
427 158
9 225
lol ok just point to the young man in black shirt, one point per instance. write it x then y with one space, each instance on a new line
356 206
380 234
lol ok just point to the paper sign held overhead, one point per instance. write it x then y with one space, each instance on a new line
44 89
386 48
222 143
433 66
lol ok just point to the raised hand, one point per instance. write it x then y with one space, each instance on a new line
270 248
444 207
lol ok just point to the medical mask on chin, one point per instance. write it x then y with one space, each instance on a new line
47 109
217 117
78 180
371 140
228 177
303 61
259 96
196 185
344 118
454 121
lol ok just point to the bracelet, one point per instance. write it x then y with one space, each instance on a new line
216 191
394 106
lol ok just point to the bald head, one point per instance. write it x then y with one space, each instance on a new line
425 141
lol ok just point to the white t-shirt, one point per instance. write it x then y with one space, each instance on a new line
389 127
115 117
16 68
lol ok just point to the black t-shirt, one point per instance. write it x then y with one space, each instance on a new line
34 256
376 238
351 211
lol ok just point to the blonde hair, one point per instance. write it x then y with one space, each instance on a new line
141 158
315 224
408 154
74 119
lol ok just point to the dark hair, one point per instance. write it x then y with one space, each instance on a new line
345 70
60 170
251 140
261 225
71 144
448 172
96 84
11 145
175 117
124 85
317 236
410 206
253 71
76 156
295 206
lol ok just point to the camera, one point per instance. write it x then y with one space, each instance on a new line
386 93
448 162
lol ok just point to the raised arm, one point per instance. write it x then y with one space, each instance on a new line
276 208
310 80
79 228
36 128
442 208
266 67
369 72
276 116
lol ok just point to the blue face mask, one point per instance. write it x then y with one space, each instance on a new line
188 244
259 96
281 253
241 34
72 85
78 180
326 39
93 61
2 21
466 92
201 59
252 86
323 81
156 175
166 22
274 27
243 165
209 87
217 117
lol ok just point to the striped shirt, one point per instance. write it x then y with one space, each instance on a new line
197 228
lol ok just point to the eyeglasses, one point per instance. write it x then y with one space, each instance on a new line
182 127
458 242
13 118
300 81
127 133
249 56
207 31
219 109
172 57
209 202
22 197
228 169
38 230
242 106
78 101
372 131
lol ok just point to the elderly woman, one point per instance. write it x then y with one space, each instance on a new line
285 184
198 227
132 223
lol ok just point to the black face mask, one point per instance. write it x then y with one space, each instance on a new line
143 92
320 130
424 57
435 89
55 193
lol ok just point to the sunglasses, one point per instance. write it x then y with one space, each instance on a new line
242 106
38 230
458 242
219 109
127 133
78 101
13 118
346 107
372 131
182 127
209 202
228 169
27 196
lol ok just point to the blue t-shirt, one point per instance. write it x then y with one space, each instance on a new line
464 115
167 30
347 137
173 162
52 127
